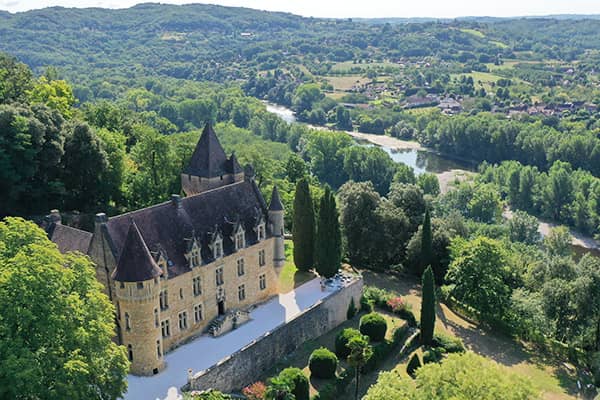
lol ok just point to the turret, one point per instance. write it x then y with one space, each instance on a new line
209 167
276 213
137 292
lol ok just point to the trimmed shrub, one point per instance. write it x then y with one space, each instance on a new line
351 309
448 343
341 342
413 365
256 391
297 381
399 335
322 363
374 326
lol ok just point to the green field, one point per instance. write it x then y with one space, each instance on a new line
290 277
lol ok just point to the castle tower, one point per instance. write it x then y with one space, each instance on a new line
137 292
209 167
276 221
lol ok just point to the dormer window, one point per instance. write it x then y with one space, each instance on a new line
261 233
240 240
218 248
195 257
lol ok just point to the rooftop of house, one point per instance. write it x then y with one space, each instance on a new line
209 159
68 238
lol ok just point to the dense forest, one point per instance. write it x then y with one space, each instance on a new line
101 109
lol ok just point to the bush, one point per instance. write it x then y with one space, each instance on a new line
413 365
374 326
351 309
322 363
432 356
327 392
256 391
448 343
408 316
377 297
297 381
344 379
341 342
399 335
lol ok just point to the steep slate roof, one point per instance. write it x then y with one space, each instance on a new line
209 159
275 204
68 238
170 228
135 263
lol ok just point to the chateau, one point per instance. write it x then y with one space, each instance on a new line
193 264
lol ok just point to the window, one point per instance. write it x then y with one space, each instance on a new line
164 300
240 266
261 232
127 322
196 286
118 311
130 352
181 293
218 249
158 349
156 317
240 241
165 328
261 258
219 276
195 256
262 282
122 285
198 313
183 320
140 285
242 292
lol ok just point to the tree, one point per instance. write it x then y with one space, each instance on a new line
15 79
360 353
429 183
370 164
56 94
485 206
279 390
57 325
459 376
427 307
558 242
426 245
328 242
524 228
295 168
303 227
479 276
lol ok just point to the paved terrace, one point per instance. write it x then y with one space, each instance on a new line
206 351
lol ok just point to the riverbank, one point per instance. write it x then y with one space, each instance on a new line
387 141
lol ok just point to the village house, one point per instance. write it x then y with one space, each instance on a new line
189 265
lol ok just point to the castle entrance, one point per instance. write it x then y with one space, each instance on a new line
221 306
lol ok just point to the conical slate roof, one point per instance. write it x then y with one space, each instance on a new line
135 263
275 204
209 159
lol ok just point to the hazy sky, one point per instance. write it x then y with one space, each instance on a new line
353 8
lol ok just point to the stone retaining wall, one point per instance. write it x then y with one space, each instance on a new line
248 364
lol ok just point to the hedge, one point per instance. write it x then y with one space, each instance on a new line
449 343
322 363
341 342
413 365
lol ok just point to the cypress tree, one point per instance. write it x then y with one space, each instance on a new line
426 240
328 243
427 307
303 228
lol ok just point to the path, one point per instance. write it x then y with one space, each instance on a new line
205 351
544 228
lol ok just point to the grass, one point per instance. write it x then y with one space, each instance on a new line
290 277
548 375
473 32
344 83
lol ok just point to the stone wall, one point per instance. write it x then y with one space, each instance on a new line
248 364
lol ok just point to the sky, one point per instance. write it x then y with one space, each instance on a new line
354 8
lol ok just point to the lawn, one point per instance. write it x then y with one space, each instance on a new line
473 32
548 375
290 277
344 83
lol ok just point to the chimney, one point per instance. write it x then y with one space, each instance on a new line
176 201
55 217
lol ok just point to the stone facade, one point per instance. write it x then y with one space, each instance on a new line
172 268
250 363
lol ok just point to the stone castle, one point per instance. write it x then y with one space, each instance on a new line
177 269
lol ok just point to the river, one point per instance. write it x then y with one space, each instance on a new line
447 169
